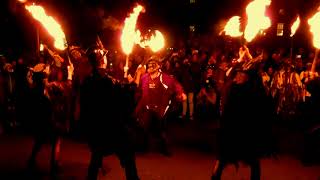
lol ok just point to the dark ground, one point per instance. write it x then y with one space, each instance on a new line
193 157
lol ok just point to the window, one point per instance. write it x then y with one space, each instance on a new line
280 29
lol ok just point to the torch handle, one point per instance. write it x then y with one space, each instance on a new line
314 64
291 48
126 67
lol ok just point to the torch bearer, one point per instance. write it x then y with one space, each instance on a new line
314 23
294 28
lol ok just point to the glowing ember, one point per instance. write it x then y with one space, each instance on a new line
130 36
50 25
41 47
314 23
232 27
295 26
256 18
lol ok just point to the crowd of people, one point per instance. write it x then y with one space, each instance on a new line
85 91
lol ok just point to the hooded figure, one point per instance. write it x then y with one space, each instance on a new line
244 134
103 120
42 124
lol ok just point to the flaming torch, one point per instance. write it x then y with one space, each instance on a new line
257 20
314 23
155 42
232 27
294 28
130 36
50 25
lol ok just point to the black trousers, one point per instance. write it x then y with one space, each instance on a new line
153 124
127 161
39 141
254 166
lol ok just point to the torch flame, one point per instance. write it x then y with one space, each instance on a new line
50 24
256 18
295 26
232 27
130 36
155 42
314 23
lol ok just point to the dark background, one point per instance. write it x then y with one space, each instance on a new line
82 20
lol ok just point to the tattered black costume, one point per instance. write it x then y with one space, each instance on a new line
245 125
103 121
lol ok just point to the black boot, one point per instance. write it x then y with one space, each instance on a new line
31 165
164 147
217 171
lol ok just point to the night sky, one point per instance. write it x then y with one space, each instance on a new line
82 20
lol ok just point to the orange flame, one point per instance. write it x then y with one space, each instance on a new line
314 23
50 24
256 18
155 42
22 1
130 36
295 26
232 27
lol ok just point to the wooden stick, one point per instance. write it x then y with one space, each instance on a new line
314 64
126 67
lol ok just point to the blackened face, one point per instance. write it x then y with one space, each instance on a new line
240 78
76 54
152 67
270 71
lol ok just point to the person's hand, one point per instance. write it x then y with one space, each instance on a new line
242 53
70 71
130 78
47 69
247 52
183 97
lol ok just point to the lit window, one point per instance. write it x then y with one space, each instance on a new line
192 1
192 28
280 29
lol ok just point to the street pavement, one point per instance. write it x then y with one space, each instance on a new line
193 159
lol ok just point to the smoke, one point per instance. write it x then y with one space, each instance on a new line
111 23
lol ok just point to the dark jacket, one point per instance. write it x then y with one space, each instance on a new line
245 126
101 113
